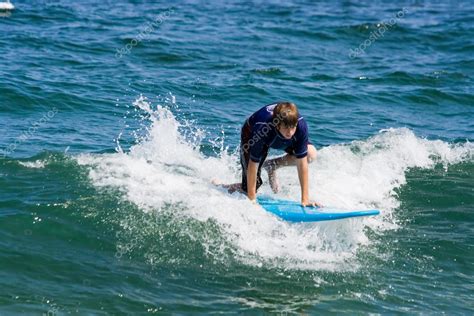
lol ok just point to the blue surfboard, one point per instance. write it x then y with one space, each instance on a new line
292 211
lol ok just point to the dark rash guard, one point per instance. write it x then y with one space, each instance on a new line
265 134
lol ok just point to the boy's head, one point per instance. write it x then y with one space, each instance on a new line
285 114
285 117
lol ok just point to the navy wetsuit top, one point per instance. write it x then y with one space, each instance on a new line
265 134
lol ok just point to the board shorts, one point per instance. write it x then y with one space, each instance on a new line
245 136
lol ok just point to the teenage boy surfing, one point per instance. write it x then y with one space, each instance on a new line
277 126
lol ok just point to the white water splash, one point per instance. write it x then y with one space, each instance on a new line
164 169
37 164
6 5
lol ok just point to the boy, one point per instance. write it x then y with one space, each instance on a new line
278 126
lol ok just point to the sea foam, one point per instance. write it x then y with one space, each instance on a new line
167 169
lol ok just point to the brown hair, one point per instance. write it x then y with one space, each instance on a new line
285 113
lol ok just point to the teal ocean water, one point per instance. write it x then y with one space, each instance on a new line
116 115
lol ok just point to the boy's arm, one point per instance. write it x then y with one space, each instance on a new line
252 179
302 166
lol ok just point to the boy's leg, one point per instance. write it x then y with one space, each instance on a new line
287 160
241 187
231 188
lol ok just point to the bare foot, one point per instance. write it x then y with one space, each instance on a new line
231 188
270 168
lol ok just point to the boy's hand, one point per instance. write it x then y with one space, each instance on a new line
311 203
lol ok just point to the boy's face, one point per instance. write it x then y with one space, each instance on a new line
287 131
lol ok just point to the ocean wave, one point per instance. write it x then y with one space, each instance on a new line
165 174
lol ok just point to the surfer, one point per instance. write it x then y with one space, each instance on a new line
277 126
